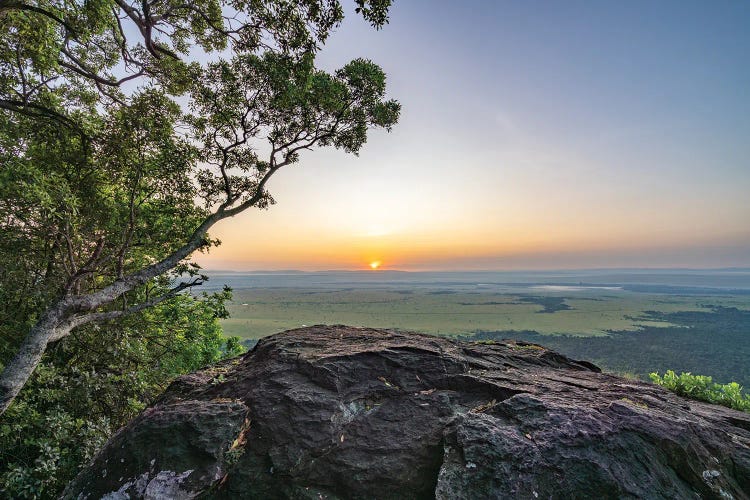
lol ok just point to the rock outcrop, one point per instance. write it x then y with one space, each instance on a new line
342 412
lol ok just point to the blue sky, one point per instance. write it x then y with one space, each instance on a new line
533 135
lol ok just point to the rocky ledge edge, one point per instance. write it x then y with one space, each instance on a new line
342 412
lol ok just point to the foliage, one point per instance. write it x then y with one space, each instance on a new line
108 185
99 185
703 388
56 54
97 380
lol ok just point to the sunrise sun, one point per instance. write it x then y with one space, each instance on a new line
374 264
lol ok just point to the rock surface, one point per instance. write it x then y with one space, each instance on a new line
342 412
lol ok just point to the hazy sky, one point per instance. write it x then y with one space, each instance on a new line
533 135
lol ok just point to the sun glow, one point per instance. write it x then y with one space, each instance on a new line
374 265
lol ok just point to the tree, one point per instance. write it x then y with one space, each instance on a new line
100 210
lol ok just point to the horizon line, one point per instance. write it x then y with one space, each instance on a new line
458 270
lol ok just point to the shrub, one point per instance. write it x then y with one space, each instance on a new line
703 388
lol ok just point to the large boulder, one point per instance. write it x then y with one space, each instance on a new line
342 412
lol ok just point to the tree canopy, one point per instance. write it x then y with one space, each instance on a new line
128 129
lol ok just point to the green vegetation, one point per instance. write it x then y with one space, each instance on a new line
710 340
703 388
96 381
624 332
107 189
549 303
257 312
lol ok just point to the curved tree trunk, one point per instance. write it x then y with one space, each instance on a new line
68 312
19 369
60 318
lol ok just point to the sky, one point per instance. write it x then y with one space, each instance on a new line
533 135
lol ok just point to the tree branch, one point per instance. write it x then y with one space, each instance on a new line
7 5
64 329
37 111
85 72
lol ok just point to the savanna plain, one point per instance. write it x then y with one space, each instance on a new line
629 322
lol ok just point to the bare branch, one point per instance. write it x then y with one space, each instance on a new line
88 267
81 69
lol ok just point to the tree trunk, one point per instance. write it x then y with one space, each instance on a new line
19 369
59 319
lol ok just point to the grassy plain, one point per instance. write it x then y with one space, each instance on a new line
257 312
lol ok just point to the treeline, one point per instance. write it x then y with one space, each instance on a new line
714 342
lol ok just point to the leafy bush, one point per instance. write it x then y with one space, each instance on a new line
702 388
45 438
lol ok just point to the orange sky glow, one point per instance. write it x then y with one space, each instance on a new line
525 142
